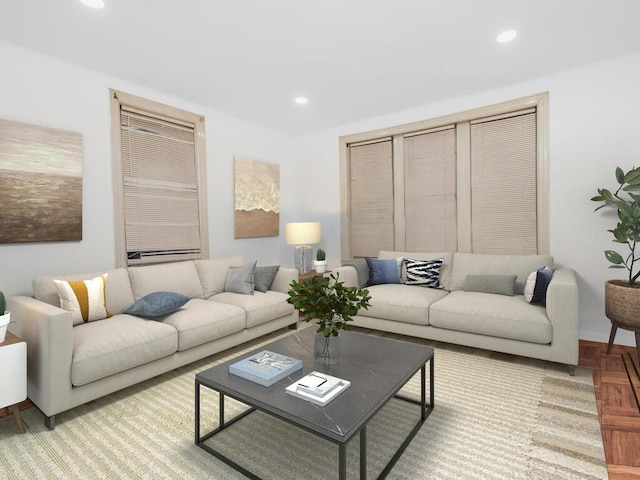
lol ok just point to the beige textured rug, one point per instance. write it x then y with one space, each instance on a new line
496 417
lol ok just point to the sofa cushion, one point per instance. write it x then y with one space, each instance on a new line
213 273
402 303
84 299
116 344
240 279
445 270
118 296
498 284
493 315
384 271
260 307
425 273
178 277
157 304
263 277
535 287
478 264
201 321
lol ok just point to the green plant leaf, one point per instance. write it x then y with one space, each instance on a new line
633 176
620 177
614 257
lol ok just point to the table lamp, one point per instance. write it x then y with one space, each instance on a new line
302 234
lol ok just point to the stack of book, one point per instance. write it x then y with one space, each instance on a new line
265 368
318 388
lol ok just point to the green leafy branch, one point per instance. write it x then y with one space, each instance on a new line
328 302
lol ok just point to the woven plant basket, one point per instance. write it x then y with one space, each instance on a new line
622 304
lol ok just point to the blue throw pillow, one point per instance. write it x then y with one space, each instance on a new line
383 271
535 287
157 304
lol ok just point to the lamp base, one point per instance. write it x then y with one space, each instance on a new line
302 258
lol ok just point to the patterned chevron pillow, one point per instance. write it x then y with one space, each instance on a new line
425 273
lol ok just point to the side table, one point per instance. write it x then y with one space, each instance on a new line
311 274
13 383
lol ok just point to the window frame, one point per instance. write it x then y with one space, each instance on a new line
160 111
462 120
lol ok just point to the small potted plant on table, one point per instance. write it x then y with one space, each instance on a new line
320 263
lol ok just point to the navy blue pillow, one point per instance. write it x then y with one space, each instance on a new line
535 287
157 304
383 271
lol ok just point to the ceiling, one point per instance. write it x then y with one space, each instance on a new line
353 59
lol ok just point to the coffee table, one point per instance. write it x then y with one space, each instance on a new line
377 368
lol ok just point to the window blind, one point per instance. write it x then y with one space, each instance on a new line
371 187
503 185
160 181
430 191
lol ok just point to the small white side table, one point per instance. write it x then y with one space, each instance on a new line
13 382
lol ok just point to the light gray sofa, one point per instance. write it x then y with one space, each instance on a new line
70 365
500 323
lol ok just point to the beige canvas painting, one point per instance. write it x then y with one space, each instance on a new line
40 184
257 198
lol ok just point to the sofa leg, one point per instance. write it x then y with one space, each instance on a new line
50 422
293 326
572 370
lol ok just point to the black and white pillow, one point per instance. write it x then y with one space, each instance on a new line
535 287
425 273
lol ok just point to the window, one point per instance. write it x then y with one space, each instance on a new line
469 182
159 182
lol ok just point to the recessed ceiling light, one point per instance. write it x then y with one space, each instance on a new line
93 3
302 100
506 36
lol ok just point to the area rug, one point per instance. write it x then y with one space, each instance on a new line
496 417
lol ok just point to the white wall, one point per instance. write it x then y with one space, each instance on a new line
44 91
594 127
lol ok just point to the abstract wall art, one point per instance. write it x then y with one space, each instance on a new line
257 198
40 184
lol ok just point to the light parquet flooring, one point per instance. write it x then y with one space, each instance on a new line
617 386
616 382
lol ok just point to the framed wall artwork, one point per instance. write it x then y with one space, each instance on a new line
257 198
40 184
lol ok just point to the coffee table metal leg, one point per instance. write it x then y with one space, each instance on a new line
197 412
363 453
342 461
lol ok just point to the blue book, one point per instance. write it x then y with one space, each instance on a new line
265 368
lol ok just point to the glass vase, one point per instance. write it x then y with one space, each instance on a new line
326 350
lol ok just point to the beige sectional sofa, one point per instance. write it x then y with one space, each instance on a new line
70 365
502 323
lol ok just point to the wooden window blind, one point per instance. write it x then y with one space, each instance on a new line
430 191
503 184
160 189
371 187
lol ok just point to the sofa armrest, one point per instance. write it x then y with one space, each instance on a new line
346 274
284 277
48 332
562 311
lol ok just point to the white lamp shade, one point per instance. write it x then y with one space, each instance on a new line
302 233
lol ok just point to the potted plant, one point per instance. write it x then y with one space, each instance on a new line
4 317
320 263
622 297
329 303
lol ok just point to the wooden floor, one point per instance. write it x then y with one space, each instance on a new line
617 387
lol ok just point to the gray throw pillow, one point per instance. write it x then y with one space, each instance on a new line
499 284
157 304
240 279
263 277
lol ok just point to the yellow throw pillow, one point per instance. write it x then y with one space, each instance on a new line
85 299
